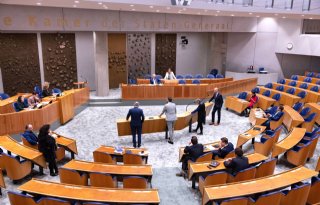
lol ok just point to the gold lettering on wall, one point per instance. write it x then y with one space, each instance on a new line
62 22
32 21
47 22
7 21
222 26
76 23
186 24
87 23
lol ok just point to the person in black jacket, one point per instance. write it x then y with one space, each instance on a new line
45 90
224 148
47 145
238 163
218 102
137 119
191 153
19 105
201 110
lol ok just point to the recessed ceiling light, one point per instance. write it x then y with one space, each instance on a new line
100 3
302 15
76 2
276 14
198 13
131 5
74 5
250 13
218 11
232 14
206 10
39 3
104 6
151 7
168 8
157 10
310 18
216 14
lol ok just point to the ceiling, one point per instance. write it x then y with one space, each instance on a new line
197 7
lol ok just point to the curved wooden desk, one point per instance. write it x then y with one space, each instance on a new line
68 143
23 151
318 165
316 109
291 118
310 85
290 141
189 81
83 193
236 104
259 185
286 98
156 124
6 106
301 78
207 148
2 183
250 134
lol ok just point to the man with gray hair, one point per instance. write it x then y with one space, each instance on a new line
137 118
218 102
171 116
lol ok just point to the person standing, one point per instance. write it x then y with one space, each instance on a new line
169 75
201 110
137 119
48 147
218 102
170 111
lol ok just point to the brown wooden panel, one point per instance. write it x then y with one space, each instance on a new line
19 62
117 59
165 53
59 59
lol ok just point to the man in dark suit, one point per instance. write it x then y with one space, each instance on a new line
238 163
154 80
191 153
218 102
201 110
274 117
224 148
29 135
137 118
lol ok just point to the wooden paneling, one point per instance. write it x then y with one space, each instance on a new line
19 62
165 53
66 107
117 59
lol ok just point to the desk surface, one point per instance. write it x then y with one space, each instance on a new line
84 193
202 167
66 142
291 117
21 150
290 141
207 148
111 150
259 185
131 170
250 134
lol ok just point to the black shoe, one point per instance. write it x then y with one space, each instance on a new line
170 142
194 130
53 174
200 133
139 146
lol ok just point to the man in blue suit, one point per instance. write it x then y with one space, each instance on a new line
137 118
29 135
154 80
224 148
274 117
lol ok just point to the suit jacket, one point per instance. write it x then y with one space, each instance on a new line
276 116
20 106
237 164
194 151
47 145
222 152
154 81
218 100
169 76
171 111
201 109
46 93
137 116
30 137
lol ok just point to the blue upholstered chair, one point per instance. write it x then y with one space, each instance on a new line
310 74
130 81
304 86
256 90
182 82
268 198
4 96
147 76
310 117
219 76
307 80
198 76
297 107
179 76
195 81
301 189
243 95
318 75
314 196
282 81
267 93
38 90
15 106
21 198
159 77
188 76
56 91
294 77
272 110
291 91
304 112
268 85
293 83
280 88
315 88
210 76
302 94
318 82
276 96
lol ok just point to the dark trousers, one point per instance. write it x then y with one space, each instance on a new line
200 125
53 166
136 130
267 124
185 160
214 112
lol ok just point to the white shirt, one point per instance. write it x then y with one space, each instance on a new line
170 76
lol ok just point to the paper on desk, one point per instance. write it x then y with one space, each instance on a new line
210 147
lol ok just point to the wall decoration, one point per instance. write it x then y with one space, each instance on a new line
139 55
19 62
165 53
59 59
117 59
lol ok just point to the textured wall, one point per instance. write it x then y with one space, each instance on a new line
117 59
19 62
139 55
59 59
166 45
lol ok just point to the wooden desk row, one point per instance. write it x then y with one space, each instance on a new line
6 106
313 80
310 85
291 118
156 124
315 73
260 185
285 99
85 193
62 109
188 81
315 108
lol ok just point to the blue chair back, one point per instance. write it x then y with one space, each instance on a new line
256 90
15 106
196 81
4 96
261 69
310 74
280 88
56 90
276 96
318 75
25 102
294 77
268 85
267 93
198 76
291 91
318 82
310 117
159 76
242 95
273 110
302 94
181 81
219 76
307 80
304 86
305 111
297 106
282 81
214 72
179 77
188 76
315 88
293 83
210 76
38 90
132 81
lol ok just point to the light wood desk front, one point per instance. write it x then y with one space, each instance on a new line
6 106
256 116
264 184
310 85
313 80
207 148
318 165
23 151
2 183
85 193
68 143
66 106
250 134
285 99
290 141
189 81
316 109
291 118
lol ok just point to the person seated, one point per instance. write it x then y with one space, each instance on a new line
191 153
19 106
224 148
46 91
274 117
253 100
29 135
154 80
169 75
237 164
33 99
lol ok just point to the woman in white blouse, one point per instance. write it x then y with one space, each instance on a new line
170 75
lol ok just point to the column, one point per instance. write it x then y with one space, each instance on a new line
1 83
